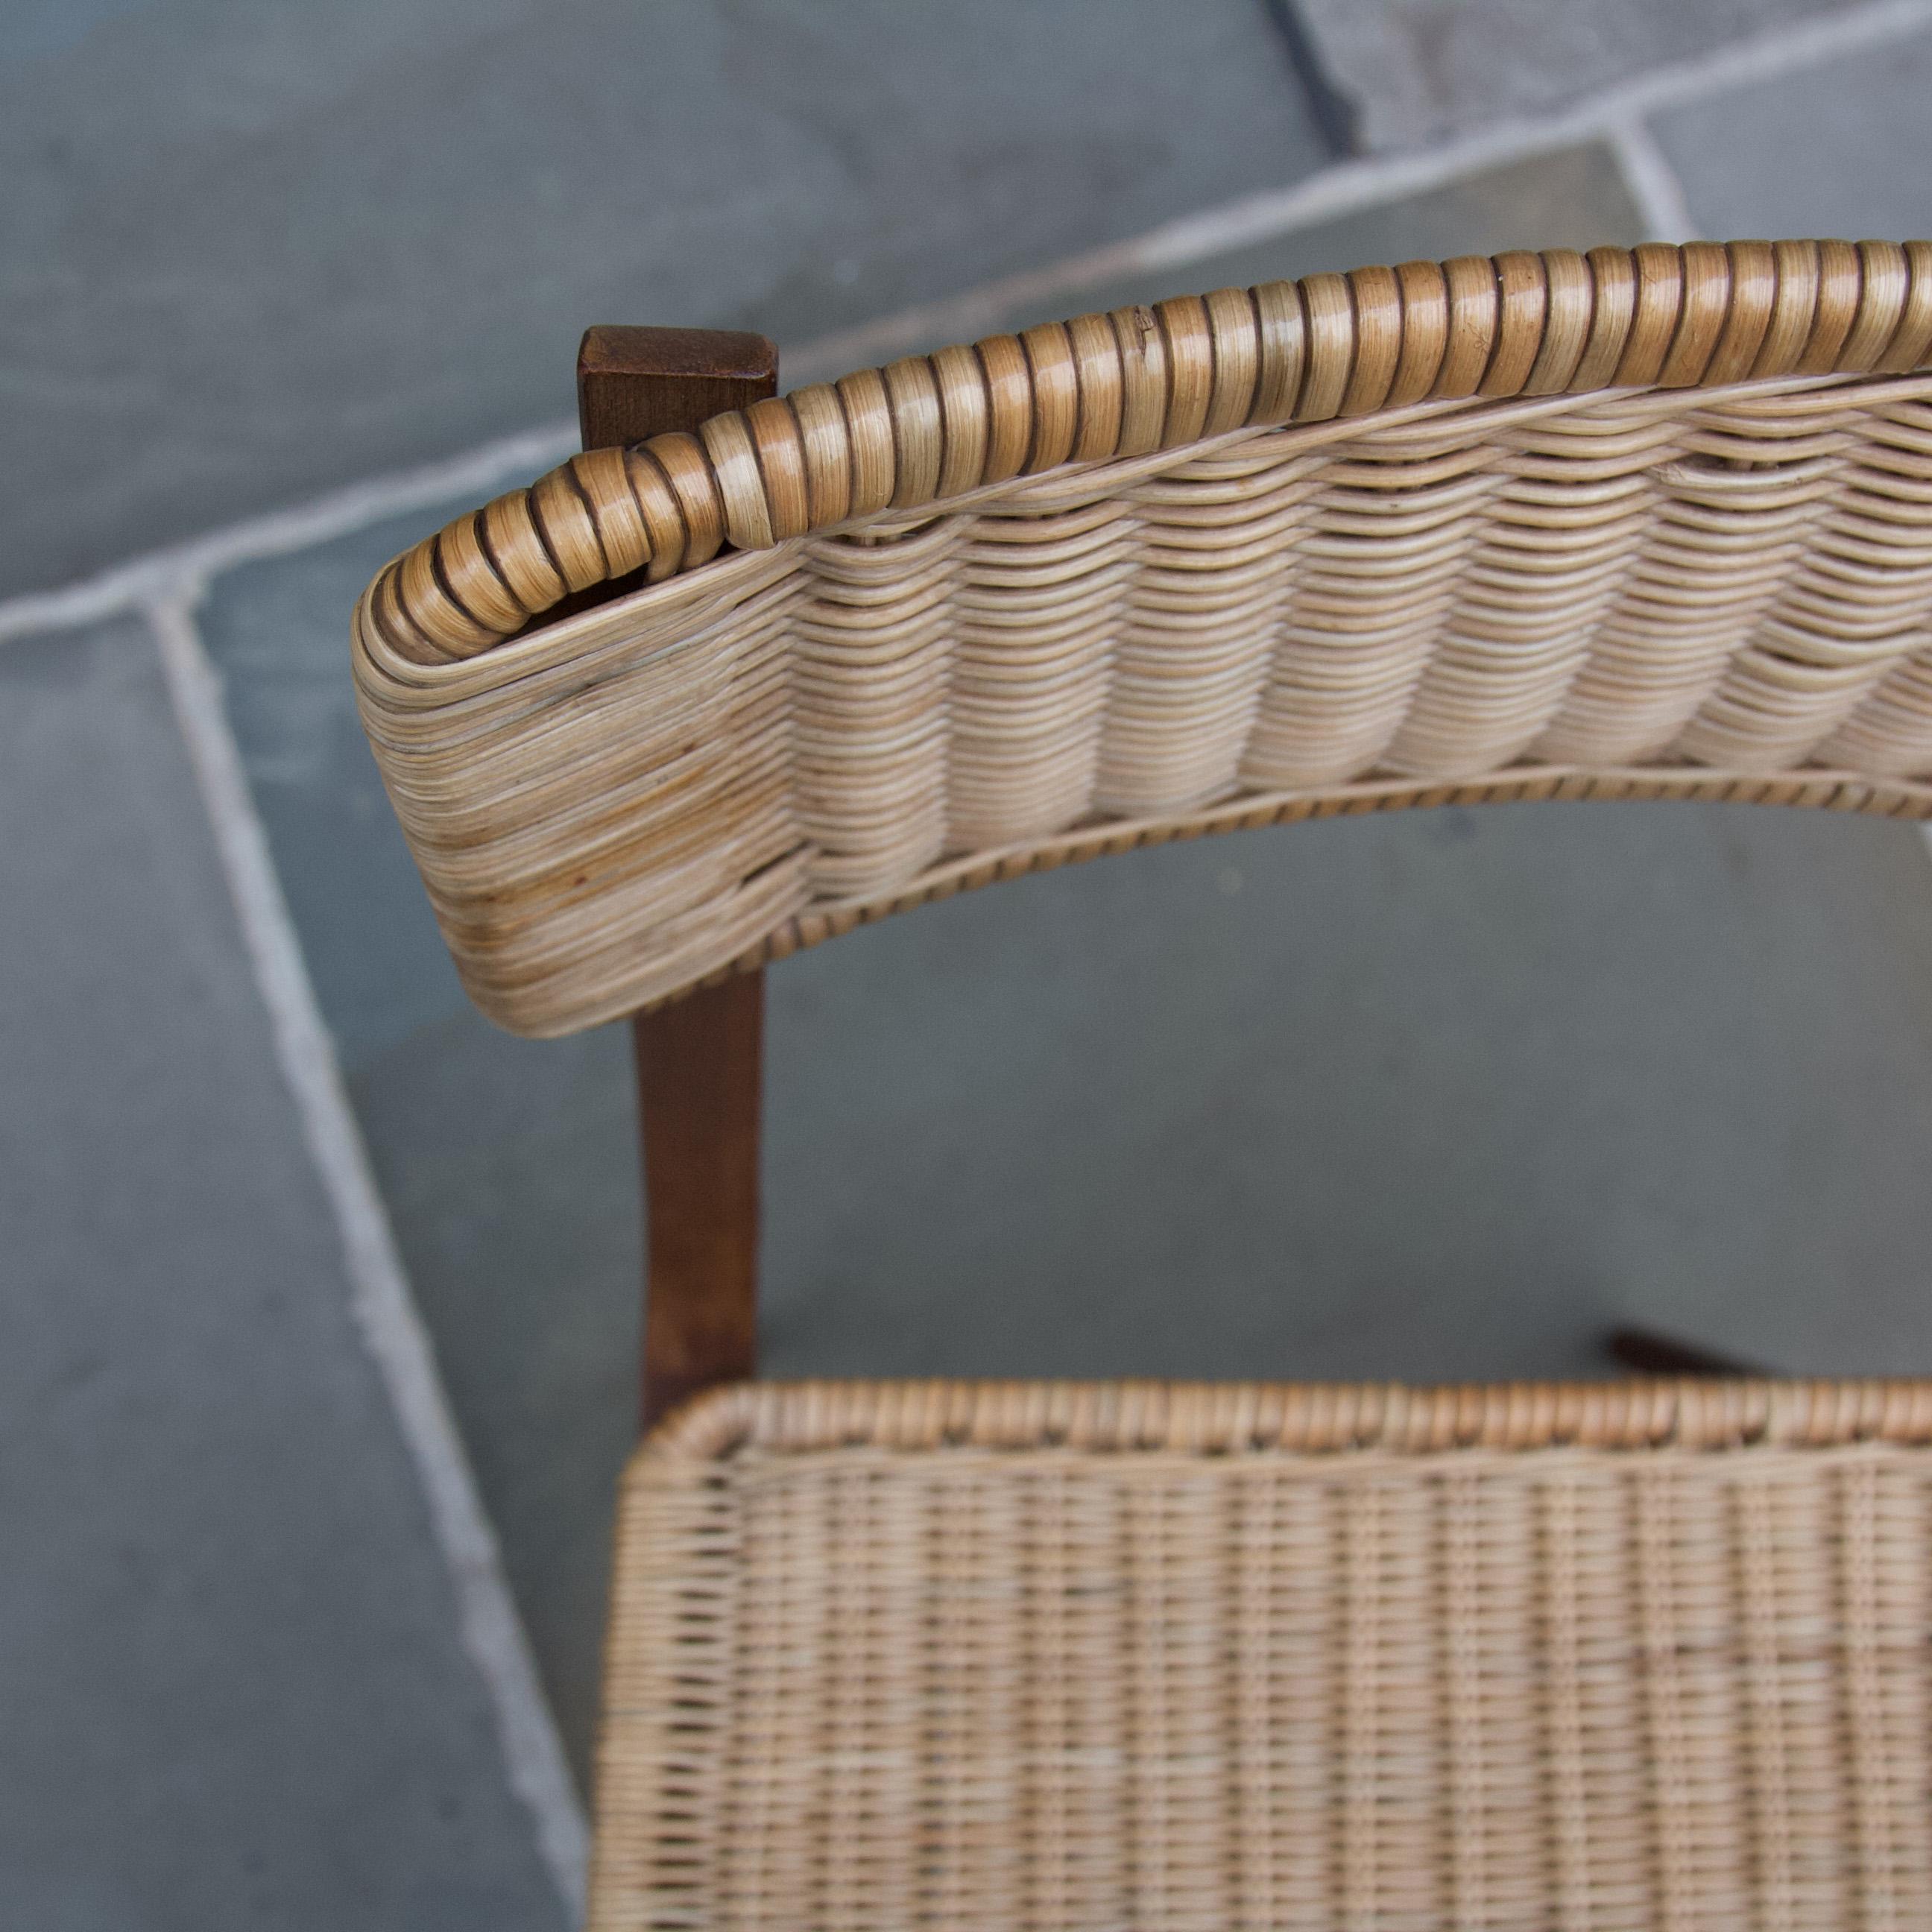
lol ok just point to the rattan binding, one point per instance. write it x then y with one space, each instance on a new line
1059 1656
1634 524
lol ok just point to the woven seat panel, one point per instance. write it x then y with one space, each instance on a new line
1718 594
1622 1655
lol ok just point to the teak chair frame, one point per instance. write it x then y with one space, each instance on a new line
699 1059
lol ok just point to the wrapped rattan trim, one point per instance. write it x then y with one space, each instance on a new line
1158 378
1230 1418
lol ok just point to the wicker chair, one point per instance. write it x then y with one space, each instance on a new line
1655 524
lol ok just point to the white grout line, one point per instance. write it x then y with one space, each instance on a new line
1767 56
384 1310
1616 115
1653 182
178 571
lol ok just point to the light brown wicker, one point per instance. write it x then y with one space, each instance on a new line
1648 524
1625 524
1053 1656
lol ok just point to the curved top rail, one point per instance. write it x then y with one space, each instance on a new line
1139 380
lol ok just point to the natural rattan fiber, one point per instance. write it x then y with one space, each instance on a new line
1062 1656
1631 524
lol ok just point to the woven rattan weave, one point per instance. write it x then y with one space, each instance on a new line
1050 1656
1648 524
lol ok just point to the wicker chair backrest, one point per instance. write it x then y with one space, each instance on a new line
1648 524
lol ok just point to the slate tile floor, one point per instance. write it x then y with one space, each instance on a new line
227 1657
248 253
1439 1095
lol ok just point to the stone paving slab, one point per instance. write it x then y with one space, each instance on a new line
1844 148
1435 1096
1408 72
234 1692
249 252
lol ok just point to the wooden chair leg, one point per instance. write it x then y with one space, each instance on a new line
698 1060
698 1079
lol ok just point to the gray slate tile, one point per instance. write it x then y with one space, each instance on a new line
249 252
511 1171
277 634
1434 1096
234 1690
1412 71
508 1166
1840 149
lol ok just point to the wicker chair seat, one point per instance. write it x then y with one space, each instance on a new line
1073 1656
